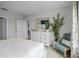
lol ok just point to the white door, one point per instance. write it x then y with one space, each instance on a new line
21 29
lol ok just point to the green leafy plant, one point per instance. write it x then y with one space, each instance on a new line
56 25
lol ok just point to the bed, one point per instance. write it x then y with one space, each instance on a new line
21 48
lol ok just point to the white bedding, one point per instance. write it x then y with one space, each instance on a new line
21 48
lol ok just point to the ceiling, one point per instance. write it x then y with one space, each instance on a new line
32 7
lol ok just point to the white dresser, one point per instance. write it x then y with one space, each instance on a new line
42 37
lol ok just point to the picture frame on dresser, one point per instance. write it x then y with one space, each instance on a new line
41 22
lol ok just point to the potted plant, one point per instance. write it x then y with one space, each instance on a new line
56 26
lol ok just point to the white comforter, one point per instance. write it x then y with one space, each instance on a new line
20 48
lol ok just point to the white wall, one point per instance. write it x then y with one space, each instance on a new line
11 22
78 16
12 17
78 19
66 12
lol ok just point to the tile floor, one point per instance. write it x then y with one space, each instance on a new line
53 54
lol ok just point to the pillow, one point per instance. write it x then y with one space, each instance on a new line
66 42
67 36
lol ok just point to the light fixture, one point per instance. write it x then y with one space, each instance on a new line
4 9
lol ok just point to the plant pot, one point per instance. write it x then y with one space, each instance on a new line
54 43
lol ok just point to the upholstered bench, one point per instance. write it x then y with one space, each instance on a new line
64 45
63 49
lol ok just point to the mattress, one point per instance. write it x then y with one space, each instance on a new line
21 48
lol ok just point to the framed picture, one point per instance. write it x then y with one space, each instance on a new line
41 23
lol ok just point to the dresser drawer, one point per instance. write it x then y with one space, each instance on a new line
40 36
